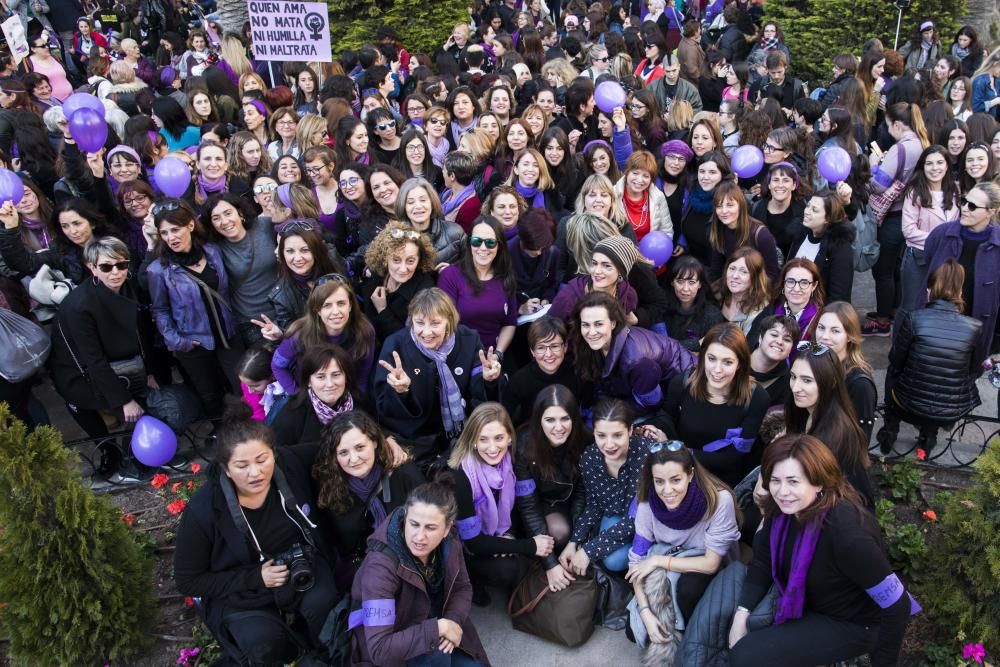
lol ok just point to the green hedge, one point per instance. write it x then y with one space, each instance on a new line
421 26
817 30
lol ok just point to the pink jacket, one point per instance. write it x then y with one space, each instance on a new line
920 221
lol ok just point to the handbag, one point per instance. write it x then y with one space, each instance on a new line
131 372
26 349
566 617
879 203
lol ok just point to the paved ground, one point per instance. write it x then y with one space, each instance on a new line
509 648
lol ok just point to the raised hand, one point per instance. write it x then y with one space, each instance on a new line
379 298
397 378
268 329
9 216
491 365
95 162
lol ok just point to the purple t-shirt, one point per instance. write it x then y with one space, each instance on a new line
488 312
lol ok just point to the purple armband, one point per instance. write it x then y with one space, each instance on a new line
524 487
373 614
469 528
640 545
887 592
733 438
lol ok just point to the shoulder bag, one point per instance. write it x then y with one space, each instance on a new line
566 617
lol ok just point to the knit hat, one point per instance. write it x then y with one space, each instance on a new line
676 147
622 252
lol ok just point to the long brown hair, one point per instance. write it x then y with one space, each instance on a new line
731 337
333 492
590 363
710 485
821 469
759 293
538 450
946 282
309 330
729 190
485 413
851 323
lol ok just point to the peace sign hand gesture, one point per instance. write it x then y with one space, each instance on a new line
491 365
268 329
397 378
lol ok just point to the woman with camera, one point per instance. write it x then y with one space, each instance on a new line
414 590
247 547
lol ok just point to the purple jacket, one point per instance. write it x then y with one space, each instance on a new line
944 243
570 294
178 307
639 364
394 622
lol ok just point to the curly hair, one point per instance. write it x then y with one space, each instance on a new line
334 493
385 244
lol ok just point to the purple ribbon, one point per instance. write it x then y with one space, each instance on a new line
733 438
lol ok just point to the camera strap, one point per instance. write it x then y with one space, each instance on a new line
236 512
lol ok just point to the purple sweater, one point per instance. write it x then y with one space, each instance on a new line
488 312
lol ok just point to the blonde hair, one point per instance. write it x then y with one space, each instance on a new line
681 116
435 301
235 54
562 69
479 144
545 181
484 414
583 232
121 72
385 244
308 125
601 182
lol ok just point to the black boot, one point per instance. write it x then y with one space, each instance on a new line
927 439
886 439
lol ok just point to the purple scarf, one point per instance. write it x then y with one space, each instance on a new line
688 513
365 489
451 201
452 403
804 318
207 187
326 413
439 152
484 480
532 195
457 130
39 231
792 593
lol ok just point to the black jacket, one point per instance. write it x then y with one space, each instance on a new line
538 497
296 423
833 90
216 561
397 303
785 233
415 417
101 327
735 44
932 363
835 260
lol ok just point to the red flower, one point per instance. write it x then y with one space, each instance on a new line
176 507
188 601
175 487
159 480
196 468
930 515
129 519
921 454
190 484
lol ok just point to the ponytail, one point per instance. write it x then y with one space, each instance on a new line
917 125
910 116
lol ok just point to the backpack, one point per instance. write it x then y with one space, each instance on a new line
865 245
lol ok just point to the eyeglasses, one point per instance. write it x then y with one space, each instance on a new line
350 182
166 206
297 225
771 148
404 233
332 278
816 349
107 267
602 60
265 188
475 242
416 109
286 121
136 199
636 106
674 157
551 347
669 445
388 125
792 283
971 205
414 148
437 121
313 171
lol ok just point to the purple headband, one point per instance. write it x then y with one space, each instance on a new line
676 147
122 148
259 106
786 165
598 142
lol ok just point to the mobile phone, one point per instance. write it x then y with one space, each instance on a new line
876 149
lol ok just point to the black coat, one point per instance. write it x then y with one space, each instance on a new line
415 417
101 327
932 363
296 423
835 260
397 303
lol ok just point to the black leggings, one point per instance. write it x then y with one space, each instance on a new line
690 587
212 373
503 572
814 639
886 269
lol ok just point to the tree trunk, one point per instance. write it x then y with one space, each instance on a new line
985 16
233 14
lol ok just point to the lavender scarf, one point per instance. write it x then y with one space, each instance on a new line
324 412
688 513
207 187
792 593
451 201
457 130
365 488
39 231
452 408
439 152
531 194
484 479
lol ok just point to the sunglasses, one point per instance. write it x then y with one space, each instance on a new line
669 445
816 349
475 242
388 125
262 189
602 60
350 182
166 206
403 233
332 278
971 205
107 267
437 121
297 225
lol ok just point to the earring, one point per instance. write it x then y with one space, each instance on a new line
96 281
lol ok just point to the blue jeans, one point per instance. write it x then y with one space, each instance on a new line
438 659
616 561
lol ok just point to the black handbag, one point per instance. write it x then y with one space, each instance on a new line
613 596
131 372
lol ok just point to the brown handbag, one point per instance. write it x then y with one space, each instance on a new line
566 617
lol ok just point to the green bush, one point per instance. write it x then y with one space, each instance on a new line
421 26
903 481
817 30
960 585
77 590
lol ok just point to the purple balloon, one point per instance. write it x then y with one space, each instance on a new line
834 164
11 187
153 442
609 95
172 176
747 161
78 101
285 194
657 247
88 130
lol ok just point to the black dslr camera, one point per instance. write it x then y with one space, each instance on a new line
299 561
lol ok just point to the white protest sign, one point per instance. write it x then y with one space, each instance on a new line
290 31
17 41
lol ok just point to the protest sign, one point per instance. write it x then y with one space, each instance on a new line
290 31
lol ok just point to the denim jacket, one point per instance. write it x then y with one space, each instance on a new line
178 307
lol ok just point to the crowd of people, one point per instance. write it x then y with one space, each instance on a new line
411 285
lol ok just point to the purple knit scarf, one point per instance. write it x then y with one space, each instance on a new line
365 489
450 200
207 186
688 513
39 230
326 413
531 194
484 479
792 593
